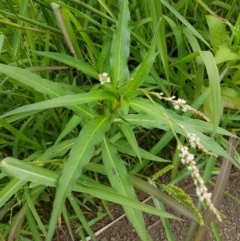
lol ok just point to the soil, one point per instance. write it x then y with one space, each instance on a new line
119 229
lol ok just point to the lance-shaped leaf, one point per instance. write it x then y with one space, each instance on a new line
23 77
29 79
131 139
118 176
63 101
28 172
120 46
71 61
144 68
214 105
81 153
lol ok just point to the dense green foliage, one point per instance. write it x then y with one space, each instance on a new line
99 99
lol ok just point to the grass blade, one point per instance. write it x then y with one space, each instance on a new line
71 61
74 203
184 21
72 123
31 206
10 189
213 105
18 133
165 221
66 28
33 226
27 78
156 14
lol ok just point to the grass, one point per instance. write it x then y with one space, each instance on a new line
65 134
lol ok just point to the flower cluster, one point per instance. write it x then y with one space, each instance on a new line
180 104
194 142
104 78
188 159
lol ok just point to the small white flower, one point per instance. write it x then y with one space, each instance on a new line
176 107
104 78
185 108
177 104
193 140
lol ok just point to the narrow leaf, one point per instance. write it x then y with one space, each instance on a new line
17 168
18 133
184 21
118 177
10 190
71 61
214 101
72 123
156 14
131 139
31 80
63 101
142 71
80 155
120 46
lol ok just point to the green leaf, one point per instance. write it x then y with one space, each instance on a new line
24 171
184 21
18 133
72 123
57 150
230 98
81 153
1 42
33 81
91 47
32 173
63 101
34 212
118 177
80 214
214 105
120 46
71 61
224 54
40 85
218 33
125 148
10 190
155 8
165 222
141 72
131 139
